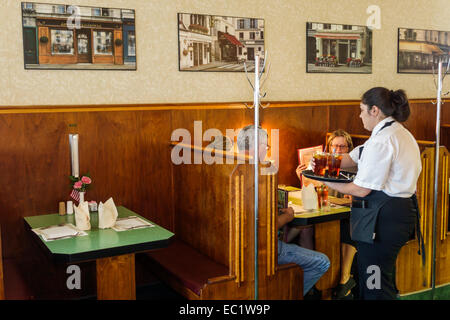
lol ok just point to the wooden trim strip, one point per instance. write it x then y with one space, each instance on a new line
444 188
268 227
236 233
220 279
274 229
242 278
363 136
2 280
178 106
424 198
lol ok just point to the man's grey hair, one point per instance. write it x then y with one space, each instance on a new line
246 137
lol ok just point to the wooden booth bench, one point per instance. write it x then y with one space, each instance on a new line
12 283
213 254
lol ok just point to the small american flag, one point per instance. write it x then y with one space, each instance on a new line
75 195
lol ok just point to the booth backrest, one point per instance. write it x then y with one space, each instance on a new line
2 282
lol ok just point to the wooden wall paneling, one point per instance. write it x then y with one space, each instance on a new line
327 241
346 117
155 168
422 121
411 276
298 128
109 151
2 281
124 149
34 170
442 229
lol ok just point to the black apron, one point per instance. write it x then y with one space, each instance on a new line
363 218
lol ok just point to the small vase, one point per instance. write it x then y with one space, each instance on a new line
81 197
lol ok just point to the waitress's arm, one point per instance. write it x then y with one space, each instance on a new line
347 161
349 188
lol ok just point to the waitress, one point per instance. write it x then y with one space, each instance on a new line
384 210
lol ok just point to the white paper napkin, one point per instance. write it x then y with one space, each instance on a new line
82 218
107 214
309 198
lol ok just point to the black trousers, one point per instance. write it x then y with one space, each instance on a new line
376 262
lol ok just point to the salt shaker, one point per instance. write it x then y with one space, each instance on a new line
69 207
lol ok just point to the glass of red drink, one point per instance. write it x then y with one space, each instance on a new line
320 163
334 165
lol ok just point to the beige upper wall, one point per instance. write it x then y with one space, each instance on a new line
157 79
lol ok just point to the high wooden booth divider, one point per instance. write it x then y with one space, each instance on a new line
2 282
213 257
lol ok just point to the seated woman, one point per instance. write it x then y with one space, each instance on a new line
341 142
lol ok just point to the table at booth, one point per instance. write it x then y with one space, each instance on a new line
320 216
113 251
326 239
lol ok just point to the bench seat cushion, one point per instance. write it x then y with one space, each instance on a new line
187 265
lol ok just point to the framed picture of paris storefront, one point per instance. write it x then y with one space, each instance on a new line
338 48
419 50
64 36
208 43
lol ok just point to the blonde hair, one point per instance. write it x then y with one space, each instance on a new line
340 133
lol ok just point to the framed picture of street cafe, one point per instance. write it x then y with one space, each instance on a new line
62 36
218 43
419 50
338 48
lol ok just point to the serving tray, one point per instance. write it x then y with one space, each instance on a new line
344 176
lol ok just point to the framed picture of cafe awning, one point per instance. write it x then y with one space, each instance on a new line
338 48
64 36
419 50
218 43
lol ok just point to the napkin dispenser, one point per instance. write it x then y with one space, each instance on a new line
82 218
309 198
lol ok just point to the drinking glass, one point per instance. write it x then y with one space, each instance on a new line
334 165
320 161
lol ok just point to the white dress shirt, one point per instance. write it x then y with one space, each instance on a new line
390 161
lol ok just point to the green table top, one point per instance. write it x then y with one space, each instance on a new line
99 243
320 216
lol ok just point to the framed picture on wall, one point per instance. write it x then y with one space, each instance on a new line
419 50
218 43
61 36
338 48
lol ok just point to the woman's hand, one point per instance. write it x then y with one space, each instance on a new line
299 170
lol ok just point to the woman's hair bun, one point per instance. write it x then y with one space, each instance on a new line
391 103
400 105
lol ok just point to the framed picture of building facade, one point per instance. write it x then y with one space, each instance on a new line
419 50
62 36
338 48
218 43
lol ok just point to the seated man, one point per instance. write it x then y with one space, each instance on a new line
313 263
